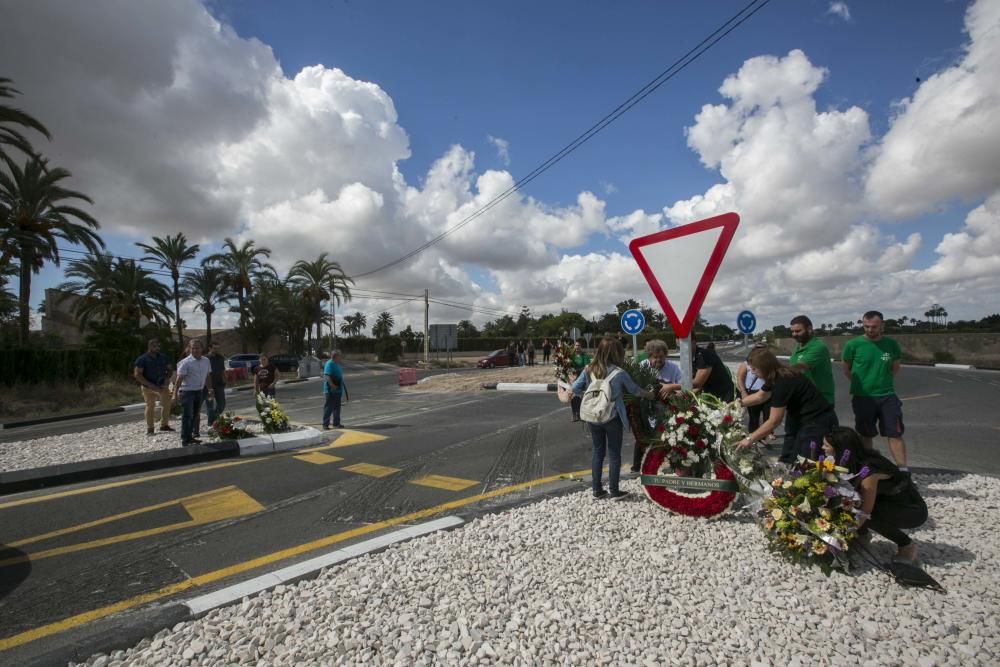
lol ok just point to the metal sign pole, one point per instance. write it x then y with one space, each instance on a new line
687 359
635 347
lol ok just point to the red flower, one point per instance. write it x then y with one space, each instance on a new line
678 420
699 444
660 428
692 430
728 419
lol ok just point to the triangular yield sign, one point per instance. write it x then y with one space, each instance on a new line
680 264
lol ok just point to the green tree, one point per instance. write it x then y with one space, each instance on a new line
114 291
354 325
171 253
262 314
383 325
35 213
502 327
13 121
321 280
627 304
207 290
241 265
466 329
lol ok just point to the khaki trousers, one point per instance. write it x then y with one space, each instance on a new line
166 401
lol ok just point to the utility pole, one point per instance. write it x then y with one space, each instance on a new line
427 328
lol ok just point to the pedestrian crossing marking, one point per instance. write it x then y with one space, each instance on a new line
371 470
319 458
443 482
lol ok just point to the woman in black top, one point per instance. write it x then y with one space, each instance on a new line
889 499
809 415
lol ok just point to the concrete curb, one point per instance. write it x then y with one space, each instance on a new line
965 367
310 568
520 386
17 481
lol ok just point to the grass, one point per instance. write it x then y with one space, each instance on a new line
26 401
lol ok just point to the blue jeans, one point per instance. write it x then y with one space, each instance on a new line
217 407
331 407
606 436
190 406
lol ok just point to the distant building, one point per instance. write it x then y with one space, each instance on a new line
59 318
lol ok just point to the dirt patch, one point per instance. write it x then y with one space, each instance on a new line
474 380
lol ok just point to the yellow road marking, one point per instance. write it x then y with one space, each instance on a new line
442 482
216 575
319 458
371 470
917 398
350 438
127 482
204 508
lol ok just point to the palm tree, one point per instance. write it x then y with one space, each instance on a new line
13 120
241 265
8 301
171 253
383 325
321 280
354 324
206 289
262 315
34 214
115 291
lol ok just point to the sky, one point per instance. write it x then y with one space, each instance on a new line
857 142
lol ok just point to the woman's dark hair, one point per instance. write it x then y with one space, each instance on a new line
846 439
770 368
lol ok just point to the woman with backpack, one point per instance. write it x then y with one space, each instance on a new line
889 499
602 385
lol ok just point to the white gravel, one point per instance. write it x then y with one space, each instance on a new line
98 443
576 581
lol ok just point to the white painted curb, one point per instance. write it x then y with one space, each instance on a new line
521 386
231 594
964 367
278 442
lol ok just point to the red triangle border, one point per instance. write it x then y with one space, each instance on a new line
729 222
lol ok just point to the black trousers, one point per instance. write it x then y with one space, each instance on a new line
892 513
800 437
757 413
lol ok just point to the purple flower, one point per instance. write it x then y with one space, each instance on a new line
844 458
812 450
864 472
830 492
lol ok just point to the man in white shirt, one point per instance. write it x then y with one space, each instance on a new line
194 373
668 377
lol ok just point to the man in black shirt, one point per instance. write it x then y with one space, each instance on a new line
152 371
217 394
711 375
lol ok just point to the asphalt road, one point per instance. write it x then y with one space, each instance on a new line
74 554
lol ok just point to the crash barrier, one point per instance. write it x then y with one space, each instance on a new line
407 376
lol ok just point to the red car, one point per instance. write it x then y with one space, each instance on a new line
497 358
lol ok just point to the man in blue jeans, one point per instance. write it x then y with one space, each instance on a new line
194 375
216 396
333 390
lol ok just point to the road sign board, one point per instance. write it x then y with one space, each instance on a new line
680 264
444 337
574 333
746 322
633 321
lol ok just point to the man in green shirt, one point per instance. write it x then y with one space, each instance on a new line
812 357
871 362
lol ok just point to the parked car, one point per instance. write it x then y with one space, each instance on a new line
247 361
497 358
285 362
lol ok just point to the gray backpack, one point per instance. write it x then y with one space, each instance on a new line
598 405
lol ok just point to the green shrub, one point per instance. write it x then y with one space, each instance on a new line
943 357
388 350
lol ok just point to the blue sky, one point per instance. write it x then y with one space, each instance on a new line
460 75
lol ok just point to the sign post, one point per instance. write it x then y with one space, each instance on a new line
633 322
679 264
746 322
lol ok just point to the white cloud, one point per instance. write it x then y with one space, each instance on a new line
609 188
503 148
840 9
944 144
972 253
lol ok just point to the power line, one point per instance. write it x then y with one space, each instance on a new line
675 68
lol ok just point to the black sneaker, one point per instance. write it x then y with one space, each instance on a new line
150 431
338 426
166 427
619 495
600 494
192 441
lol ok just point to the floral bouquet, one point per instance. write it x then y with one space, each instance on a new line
693 429
811 514
231 427
275 419
562 359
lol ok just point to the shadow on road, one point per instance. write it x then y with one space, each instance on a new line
13 575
